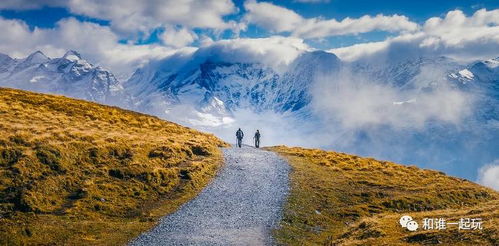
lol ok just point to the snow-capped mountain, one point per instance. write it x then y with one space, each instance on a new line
410 73
484 73
217 87
206 87
482 79
68 75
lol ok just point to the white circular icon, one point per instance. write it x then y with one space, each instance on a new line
404 219
412 225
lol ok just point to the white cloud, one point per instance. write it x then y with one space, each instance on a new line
29 4
271 17
455 35
205 40
276 51
98 44
135 19
317 28
132 15
357 102
179 37
488 175
456 31
280 19
357 51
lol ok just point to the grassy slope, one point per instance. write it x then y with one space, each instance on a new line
341 199
75 172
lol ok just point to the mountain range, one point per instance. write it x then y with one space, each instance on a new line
68 75
209 90
219 87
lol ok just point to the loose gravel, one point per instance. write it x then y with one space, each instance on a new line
240 207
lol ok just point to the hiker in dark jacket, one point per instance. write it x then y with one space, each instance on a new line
239 136
257 139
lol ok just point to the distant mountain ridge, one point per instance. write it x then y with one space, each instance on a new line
68 75
214 86
220 86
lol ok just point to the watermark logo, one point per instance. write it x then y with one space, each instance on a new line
406 221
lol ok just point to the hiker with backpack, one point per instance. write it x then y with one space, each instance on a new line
257 139
239 136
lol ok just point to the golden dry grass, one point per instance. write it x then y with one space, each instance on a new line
78 173
341 199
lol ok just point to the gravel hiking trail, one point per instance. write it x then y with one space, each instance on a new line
240 207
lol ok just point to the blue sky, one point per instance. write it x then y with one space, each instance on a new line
46 16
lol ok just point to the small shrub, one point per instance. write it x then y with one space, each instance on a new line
121 153
10 156
162 152
22 202
50 157
19 140
423 238
200 150
117 173
93 153
370 233
185 174
78 194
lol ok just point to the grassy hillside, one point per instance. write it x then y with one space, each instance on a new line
341 199
75 172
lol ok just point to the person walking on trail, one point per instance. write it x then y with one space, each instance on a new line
239 136
257 139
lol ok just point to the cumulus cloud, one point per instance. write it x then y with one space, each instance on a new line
273 51
271 17
456 35
131 15
280 19
29 4
134 15
276 52
318 28
488 175
133 19
178 37
99 44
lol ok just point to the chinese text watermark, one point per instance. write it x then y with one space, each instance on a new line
406 221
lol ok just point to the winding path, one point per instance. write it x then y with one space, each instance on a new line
240 207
